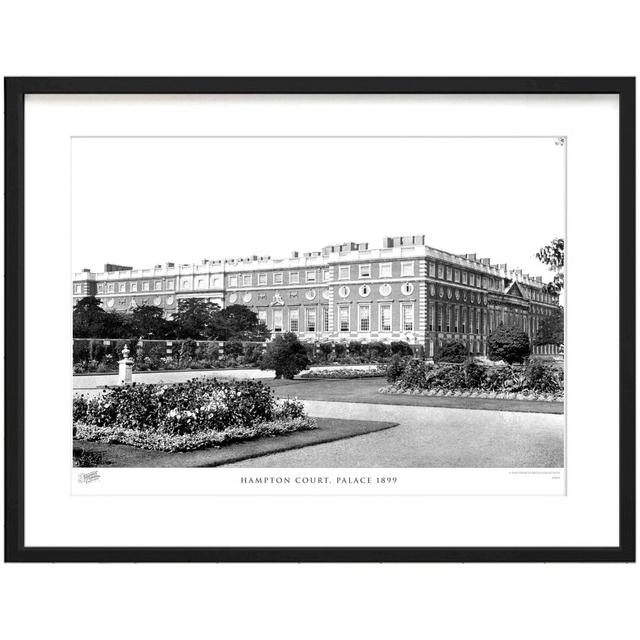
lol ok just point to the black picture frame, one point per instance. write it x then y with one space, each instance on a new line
15 91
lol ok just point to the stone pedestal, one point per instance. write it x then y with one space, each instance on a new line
125 367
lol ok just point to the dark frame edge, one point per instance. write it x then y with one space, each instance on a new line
627 322
14 549
15 90
324 554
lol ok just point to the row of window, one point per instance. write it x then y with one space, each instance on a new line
407 269
344 273
476 280
456 319
461 319
437 270
121 287
186 285
246 280
309 322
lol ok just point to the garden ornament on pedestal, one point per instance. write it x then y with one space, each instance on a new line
125 367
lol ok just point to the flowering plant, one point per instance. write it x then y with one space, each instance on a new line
185 416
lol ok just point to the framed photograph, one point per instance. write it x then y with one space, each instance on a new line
320 319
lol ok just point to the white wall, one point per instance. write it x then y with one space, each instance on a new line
330 38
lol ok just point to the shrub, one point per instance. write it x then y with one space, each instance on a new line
287 355
475 376
325 349
509 344
233 348
536 377
309 349
451 352
81 350
156 353
355 348
79 408
398 347
415 374
446 376
396 368
209 351
187 352
377 351
340 349
253 353
186 416
544 377
290 408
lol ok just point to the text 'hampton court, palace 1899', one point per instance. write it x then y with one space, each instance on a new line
404 291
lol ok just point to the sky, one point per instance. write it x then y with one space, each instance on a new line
147 201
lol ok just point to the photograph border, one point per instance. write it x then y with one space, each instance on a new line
15 91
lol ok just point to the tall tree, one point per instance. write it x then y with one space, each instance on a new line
551 330
148 321
195 318
237 322
89 318
552 255
508 343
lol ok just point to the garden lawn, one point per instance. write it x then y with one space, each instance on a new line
366 391
329 430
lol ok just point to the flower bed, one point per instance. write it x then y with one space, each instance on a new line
533 381
342 374
188 416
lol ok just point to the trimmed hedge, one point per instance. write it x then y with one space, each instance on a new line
93 356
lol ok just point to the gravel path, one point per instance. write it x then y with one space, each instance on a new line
431 437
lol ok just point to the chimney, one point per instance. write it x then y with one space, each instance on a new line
294 254
169 265
486 261
86 271
387 243
471 256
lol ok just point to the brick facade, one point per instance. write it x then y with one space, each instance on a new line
404 291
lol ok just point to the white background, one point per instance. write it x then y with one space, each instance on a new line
225 197
586 516
372 38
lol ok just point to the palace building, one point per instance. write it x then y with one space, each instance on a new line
405 290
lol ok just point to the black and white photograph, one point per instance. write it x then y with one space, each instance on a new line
360 314
326 302
320 320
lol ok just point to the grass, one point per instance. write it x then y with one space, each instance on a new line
366 390
328 430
